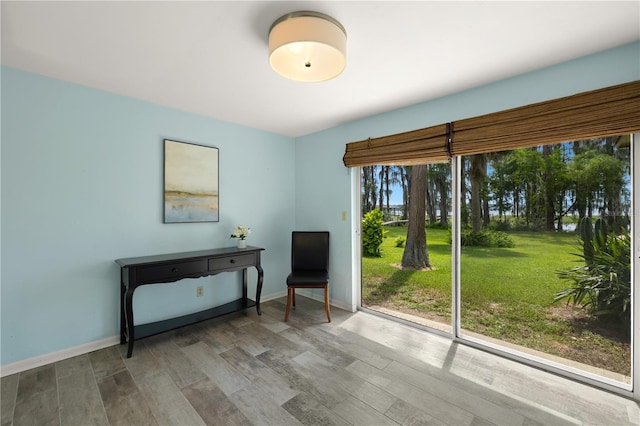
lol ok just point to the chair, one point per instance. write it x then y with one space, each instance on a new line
309 266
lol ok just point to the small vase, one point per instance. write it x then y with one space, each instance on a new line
242 243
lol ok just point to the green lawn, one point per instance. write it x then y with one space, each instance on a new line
507 293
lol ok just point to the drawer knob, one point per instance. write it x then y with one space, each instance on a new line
233 261
174 270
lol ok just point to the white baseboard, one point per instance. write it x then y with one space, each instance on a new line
273 296
37 361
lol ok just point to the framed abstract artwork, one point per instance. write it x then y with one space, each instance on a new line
190 183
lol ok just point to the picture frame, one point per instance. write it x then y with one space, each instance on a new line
191 182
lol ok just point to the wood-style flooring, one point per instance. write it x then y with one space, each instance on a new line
247 369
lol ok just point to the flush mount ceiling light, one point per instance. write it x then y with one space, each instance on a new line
307 46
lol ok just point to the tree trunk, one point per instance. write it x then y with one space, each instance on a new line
444 206
381 193
367 188
464 208
476 223
415 251
387 192
550 213
477 175
431 200
486 212
406 183
550 196
374 199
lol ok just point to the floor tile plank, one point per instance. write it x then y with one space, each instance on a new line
123 402
342 379
107 362
212 404
434 406
311 343
260 375
260 409
357 348
167 403
320 388
187 336
72 365
406 414
309 411
241 338
37 398
358 413
40 409
143 363
80 400
212 337
216 368
456 396
275 341
8 394
175 362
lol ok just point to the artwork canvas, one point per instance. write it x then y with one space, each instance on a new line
190 183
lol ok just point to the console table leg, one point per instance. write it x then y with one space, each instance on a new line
129 321
123 320
244 284
259 288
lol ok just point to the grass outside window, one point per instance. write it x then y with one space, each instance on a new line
507 294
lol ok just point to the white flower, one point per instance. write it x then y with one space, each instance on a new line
241 232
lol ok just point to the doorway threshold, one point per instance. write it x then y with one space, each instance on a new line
445 329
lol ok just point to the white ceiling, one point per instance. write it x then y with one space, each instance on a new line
210 57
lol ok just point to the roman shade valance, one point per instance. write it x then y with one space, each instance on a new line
604 112
428 145
610 111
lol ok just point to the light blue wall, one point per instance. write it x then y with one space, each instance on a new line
82 185
82 174
323 183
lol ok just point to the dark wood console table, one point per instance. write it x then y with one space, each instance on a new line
164 268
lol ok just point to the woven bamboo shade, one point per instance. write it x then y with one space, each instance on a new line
610 111
428 145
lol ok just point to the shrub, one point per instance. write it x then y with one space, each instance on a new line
602 286
400 242
486 238
372 233
500 225
521 224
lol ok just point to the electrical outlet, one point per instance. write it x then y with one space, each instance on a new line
199 291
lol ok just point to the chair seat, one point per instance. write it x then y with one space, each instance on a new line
308 278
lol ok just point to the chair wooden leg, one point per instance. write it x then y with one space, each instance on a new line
293 296
326 303
289 295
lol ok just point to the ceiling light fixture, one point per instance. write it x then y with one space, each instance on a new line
307 46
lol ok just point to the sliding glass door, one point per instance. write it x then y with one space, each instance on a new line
545 259
394 282
541 239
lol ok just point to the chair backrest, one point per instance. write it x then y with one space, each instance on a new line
310 251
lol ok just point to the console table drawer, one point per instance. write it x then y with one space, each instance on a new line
232 262
160 273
